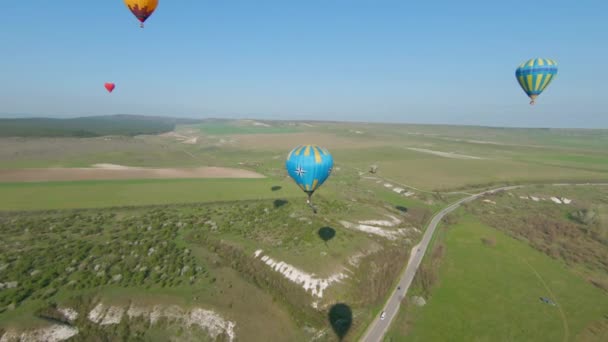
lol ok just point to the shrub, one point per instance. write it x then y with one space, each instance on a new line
489 241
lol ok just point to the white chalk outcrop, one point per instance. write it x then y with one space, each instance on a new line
444 154
96 315
207 320
53 333
355 259
554 199
308 281
393 222
374 227
391 235
68 313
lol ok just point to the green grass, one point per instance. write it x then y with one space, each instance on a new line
491 293
582 139
226 128
590 161
95 194
430 172
22 317
145 151
580 159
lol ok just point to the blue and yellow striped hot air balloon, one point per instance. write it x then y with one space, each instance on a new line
309 166
535 75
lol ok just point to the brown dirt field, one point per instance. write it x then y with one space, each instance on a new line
116 172
281 141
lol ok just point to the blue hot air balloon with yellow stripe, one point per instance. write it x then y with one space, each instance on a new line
535 75
309 166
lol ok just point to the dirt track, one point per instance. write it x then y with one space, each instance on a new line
120 172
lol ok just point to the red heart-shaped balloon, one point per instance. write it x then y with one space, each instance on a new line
109 86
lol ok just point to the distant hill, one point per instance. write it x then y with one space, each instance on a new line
91 126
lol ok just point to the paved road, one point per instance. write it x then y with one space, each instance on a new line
378 328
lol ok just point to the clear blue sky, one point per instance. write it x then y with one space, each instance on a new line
375 60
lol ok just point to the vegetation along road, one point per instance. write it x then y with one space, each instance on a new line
378 328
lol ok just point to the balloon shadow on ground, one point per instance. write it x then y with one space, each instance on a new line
326 233
341 319
401 208
279 203
276 188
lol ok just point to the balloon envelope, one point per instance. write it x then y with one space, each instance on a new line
142 9
109 86
535 75
309 166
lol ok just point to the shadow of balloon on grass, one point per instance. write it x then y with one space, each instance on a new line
326 233
279 203
341 319
401 208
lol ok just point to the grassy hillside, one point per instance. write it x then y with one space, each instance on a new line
268 214
493 259
200 255
144 257
575 233
488 287
93 126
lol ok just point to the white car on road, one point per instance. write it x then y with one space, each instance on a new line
382 315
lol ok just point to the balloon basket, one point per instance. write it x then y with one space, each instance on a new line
309 202
533 99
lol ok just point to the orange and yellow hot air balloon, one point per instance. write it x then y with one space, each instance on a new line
142 9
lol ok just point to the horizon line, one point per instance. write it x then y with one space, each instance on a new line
17 116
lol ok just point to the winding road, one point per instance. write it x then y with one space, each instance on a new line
378 328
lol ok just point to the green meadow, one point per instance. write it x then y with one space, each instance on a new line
118 193
231 127
491 292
